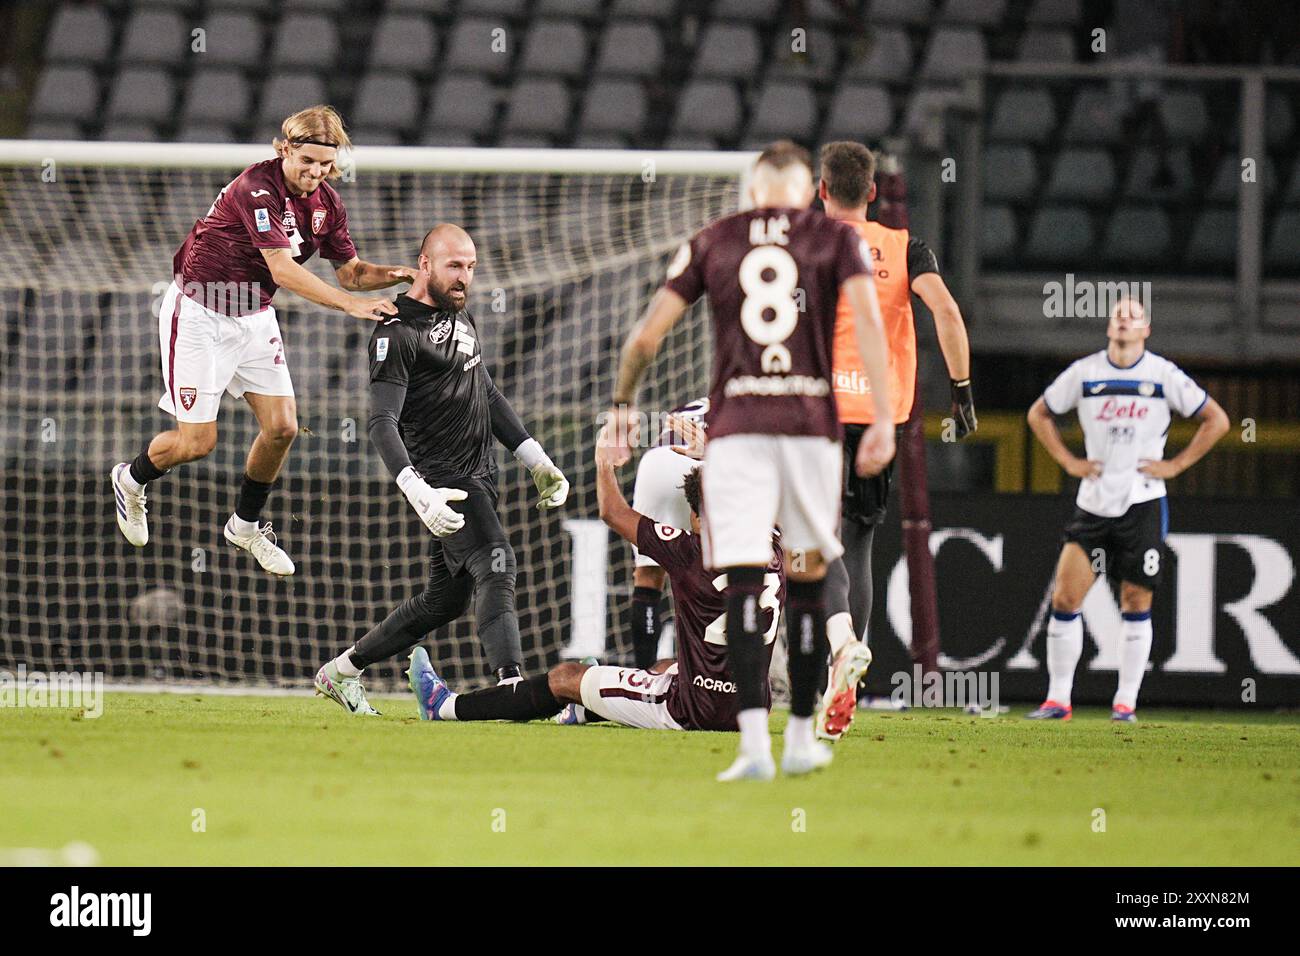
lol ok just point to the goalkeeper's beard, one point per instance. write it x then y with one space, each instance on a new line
444 299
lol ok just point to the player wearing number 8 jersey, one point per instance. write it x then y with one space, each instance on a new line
773 275
1124 396
218 332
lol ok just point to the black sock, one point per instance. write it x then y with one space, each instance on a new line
745 636
252 496
143 470
806 643
525 700
507 671
645 625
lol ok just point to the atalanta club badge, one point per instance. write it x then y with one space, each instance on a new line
188 395
439 333
317 221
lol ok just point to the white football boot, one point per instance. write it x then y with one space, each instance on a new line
347 692
131 510
261 545
750 767
796 761
840 700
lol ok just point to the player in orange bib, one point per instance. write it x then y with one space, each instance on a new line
903 265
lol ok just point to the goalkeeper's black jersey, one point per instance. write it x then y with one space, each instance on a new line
446 418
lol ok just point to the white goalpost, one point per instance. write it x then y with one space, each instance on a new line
571 245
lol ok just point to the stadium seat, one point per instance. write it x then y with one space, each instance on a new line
816 61
1045 46
79 34
1010 173
53 129
1057 13
979 13
306 40
470 48
217 95
141 94
923 116
1279 120
1282 251
785 109
66 93
1184 116
315 6
493 8
703 143
914 12
129 131
538 105
155 36
760 11
214 5
1023 114
997 233
557 47
630 49
286 93
727 50
1227 179
953 53
1137 235
405 38
652 9
369 134
1086 175
1147 180
232 39
1213 241
1095 118
525 141
205 133
858 113
1292 195
708 108
448 138
465 103
388 101
613 106
419 6
1059 235
889 59
601 141
582 9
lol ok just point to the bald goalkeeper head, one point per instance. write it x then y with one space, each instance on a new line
445 268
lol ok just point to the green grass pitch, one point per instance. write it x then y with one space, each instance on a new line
293 780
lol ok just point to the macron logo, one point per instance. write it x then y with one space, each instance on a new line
260 192
103 909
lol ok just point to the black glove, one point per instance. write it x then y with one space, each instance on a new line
963 408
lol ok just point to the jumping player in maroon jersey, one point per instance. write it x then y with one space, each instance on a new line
773 275
695 692
218 331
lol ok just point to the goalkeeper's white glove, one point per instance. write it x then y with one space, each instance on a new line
551 484
431 503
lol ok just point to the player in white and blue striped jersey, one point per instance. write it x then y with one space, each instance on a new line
1125 397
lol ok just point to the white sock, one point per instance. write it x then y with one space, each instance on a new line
755 740
447 709
241 527
129 483
1133 657
1064 648
799 732
839 631
343 664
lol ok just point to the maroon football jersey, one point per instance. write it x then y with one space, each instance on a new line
221 258
773 278
703 697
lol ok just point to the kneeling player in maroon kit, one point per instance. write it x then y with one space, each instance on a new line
694 693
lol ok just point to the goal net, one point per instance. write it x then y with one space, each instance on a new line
571 245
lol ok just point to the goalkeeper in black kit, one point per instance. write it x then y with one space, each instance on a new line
434 414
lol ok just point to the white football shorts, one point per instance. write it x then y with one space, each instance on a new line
631 697
755 482
205 353
658 495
